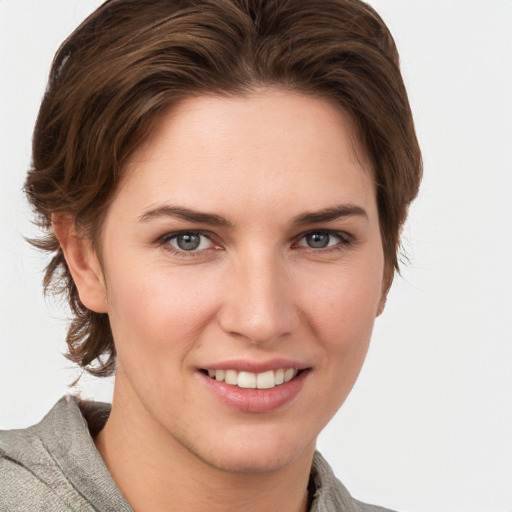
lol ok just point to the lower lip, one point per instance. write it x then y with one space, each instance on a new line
256 400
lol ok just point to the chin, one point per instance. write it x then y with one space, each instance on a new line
252 463
256 455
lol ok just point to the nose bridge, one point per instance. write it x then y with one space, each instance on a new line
259 302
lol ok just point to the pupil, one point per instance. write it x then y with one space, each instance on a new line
318 240
188 241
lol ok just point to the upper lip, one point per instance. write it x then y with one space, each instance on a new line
245 365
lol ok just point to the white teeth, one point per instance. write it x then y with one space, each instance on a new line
231 377
289 374
247 380
265 380
279 378
250 380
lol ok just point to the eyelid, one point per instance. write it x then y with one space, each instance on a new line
172 235
342 236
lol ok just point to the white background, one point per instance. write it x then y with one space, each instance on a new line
428 427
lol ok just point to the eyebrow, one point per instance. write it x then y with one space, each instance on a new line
330 214
326 215
186 214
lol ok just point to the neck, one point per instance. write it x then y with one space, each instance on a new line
155 472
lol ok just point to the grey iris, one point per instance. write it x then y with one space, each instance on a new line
188 241
317 240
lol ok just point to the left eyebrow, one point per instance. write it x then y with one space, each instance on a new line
185 214
330 214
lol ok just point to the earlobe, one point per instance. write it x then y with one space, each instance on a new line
386 285
382 304
82 263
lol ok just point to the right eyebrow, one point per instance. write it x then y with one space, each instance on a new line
185 214
331 214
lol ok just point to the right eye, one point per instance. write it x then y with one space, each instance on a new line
324 240
187 241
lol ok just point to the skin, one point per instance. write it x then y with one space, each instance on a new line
253 290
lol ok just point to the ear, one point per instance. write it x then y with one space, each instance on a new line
386 285
382 304
82 262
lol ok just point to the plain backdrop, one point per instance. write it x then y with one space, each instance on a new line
428 426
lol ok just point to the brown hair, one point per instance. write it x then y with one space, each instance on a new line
131 59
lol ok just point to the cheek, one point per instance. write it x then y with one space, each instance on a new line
154 312
343 304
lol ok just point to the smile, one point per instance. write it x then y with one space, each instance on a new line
249 380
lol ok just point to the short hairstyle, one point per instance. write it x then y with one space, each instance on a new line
133 59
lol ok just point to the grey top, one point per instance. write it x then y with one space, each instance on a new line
54 466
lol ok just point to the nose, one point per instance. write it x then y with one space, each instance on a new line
258 303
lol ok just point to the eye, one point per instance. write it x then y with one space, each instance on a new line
323 240
187 241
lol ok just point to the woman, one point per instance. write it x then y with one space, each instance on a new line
223 185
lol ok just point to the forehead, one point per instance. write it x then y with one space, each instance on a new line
265 148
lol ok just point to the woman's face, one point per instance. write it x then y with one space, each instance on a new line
243 245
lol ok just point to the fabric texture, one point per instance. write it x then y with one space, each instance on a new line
55 466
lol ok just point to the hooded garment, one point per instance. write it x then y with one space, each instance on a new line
54 466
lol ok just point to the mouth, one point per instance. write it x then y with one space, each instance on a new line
249 380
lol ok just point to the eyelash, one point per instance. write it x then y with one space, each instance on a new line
344 240
165 240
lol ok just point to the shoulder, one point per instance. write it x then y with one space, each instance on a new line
31 478
331 495
22 490
54 465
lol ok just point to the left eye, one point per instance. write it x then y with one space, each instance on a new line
321 240
188 241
